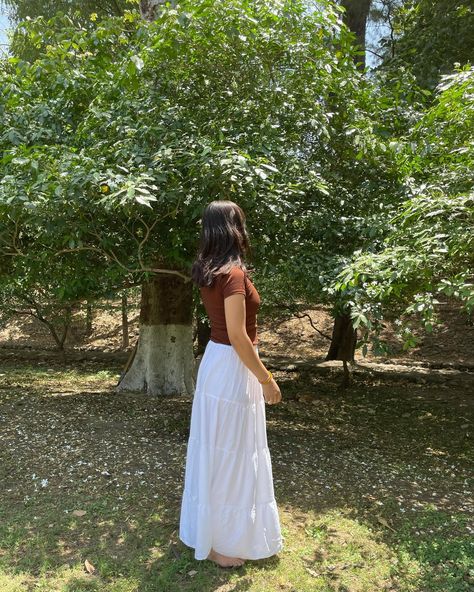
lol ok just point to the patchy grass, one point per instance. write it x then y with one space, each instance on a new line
373 487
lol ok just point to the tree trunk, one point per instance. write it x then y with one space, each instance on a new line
125 339
164 360
355 17
203 334
66 327
89 318
343 340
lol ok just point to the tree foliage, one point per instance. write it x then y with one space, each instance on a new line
79 12
117 135
429 248
430 37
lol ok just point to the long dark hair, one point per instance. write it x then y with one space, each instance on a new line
224 242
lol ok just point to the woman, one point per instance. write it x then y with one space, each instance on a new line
228 508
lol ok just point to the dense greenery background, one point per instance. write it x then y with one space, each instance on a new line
117 131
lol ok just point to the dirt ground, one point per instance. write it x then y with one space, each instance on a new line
86 474
451 345
374 486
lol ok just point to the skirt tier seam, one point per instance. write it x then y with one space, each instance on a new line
186 493
202 393
229 450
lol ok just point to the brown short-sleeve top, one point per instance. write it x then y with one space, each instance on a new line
235 281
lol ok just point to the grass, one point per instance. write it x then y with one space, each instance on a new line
373 487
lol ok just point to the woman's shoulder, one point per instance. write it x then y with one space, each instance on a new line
233 281
234 274
235 271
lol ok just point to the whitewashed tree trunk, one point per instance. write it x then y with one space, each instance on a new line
164 360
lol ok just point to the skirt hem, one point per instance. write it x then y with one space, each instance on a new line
254 557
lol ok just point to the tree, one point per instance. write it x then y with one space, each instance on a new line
380 22
79 10
36 285
20 10
355 16
430 37
429 247
116 137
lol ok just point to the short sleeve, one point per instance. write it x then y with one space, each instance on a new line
233 282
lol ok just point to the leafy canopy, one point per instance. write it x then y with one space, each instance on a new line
116 136
429 249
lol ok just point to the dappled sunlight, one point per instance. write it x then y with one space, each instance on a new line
370 493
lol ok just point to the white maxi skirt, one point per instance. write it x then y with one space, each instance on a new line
228 501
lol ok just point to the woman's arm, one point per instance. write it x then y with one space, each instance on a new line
234 306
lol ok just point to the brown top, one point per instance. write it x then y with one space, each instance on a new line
225 284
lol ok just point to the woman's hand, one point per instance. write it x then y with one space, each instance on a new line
271 392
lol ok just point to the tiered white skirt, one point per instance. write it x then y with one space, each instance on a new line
228 500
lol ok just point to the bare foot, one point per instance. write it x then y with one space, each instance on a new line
224 560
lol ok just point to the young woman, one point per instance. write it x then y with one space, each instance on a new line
228 509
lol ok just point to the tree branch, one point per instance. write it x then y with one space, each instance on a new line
305 314
302 316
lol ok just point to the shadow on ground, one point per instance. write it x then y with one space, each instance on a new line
372 486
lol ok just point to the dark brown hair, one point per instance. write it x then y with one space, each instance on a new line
224 242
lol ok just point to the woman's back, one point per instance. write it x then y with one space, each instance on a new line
235 281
